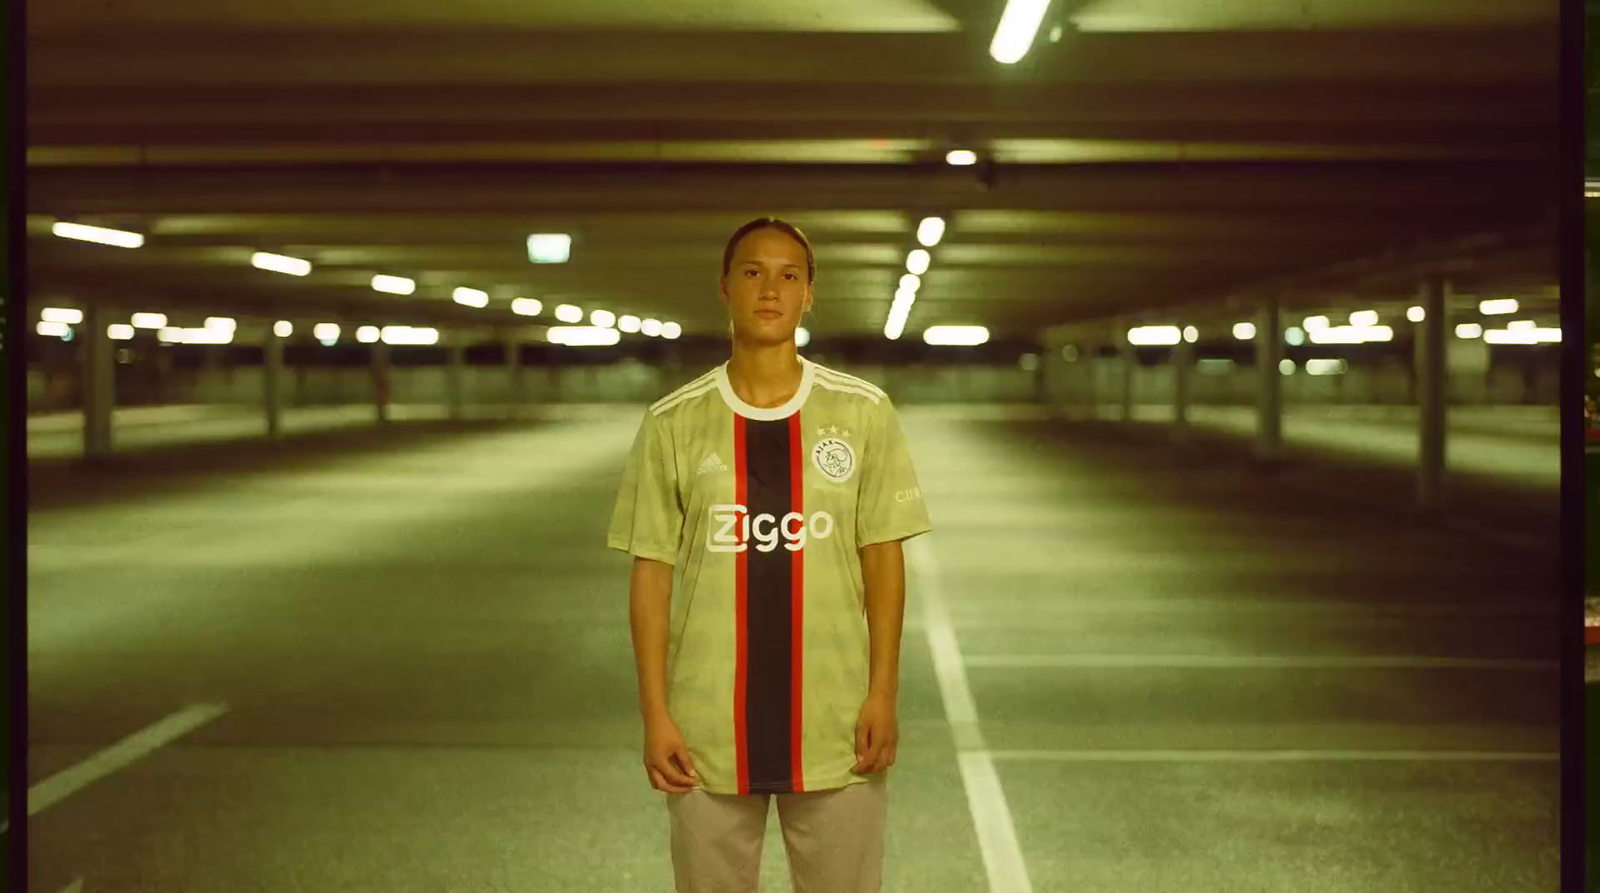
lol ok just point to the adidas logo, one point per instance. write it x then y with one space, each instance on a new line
713 463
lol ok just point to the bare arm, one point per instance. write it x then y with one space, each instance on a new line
649 613
883 570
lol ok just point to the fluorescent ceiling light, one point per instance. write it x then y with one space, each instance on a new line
651 327
119 332
549 248
283 328
802 336
905 296
408 335
1326 367
1469 330
470 297
1522 325
569 313
367 334
1313 323
962 336
1191 334
1296 336
97 234
170 335
911 282
1364 318
61 314
1244 331
962 157
1352 335
1018 26
173 335
53 329
1214 366
917 261
583 336
1286 366
149 320
1498 307
394 285
221 324
527 306
1416 314
605 319
671 330
1522 336
629 323
326 331
895 325
278 263
930 231
1150 336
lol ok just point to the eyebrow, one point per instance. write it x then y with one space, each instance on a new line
757 263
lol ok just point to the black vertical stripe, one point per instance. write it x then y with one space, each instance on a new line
770 614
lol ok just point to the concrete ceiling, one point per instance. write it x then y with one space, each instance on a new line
1156 153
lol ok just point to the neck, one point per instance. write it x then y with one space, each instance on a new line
764 375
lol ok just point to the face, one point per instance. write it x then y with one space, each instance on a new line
765 289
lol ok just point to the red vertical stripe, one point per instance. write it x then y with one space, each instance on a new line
797 598
741 743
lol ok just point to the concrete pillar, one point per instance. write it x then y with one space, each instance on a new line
518 395
272 380
99 382
1091 381
1182 364
382 381
1130 362
1269 397
1431 394
454 373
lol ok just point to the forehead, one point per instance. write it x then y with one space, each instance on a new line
767 244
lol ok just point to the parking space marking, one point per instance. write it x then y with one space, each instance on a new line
986 799
1255 662
1276 756
119 756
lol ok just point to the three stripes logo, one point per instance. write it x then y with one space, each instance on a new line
712 463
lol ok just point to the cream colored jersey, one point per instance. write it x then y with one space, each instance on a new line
763 512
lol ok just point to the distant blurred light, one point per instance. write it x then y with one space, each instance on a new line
1522 336
549 248
1364 318
119 332
569 313
98 234
962 336
1352 334
917 261
1069 353
470 297
53 329
1295 336
1326 367
283 328
605 319
280 263
1244 331
962 157
930 231
1416 314
895 325
149 320
1029 362
1469 330
802 336
1019 24
1150 336
1214 366
911 282
64 315
905 296
394 285
583 336
1286 366
173 335
671 331
170 335
1522 325
629 323
1191 334
1313 323
326 331
367 334
526 306
408 335
222 324
650 327
1499 306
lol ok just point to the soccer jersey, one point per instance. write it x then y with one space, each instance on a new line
763 511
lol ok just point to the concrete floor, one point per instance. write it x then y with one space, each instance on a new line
424 653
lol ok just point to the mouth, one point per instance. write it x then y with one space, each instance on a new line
769 314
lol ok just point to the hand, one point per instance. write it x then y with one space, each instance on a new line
877 735
666 757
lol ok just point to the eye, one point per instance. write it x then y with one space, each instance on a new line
749 273
791 276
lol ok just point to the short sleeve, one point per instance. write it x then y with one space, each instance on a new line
647 520
890 505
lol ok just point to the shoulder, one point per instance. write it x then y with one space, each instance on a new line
849 386
668 406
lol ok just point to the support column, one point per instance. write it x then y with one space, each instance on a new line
272 380
516 391
1269 397
454 372
99 382
1089 374
1182 363
1130 361
382 381
1431 395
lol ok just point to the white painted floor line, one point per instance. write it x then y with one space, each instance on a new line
1253 662
119 756
1275 756
74 887
991 816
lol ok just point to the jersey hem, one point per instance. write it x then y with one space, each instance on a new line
894 535
828 784
652 554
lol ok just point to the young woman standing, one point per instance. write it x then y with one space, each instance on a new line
778 493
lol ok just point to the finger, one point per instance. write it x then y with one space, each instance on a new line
670 771
687 764
661 783
863 739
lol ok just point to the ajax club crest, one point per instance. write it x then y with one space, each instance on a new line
835 459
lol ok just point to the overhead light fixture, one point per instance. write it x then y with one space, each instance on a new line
66 315
221 324
802 336
910 282
1153 336
471 297
1019 24
917 261
583 336
175 335
119 332
1313 323
367 334
1352 335
930 230
1416 314
962 157
895 325
149 320
569 313
1286 366
671 331
1522 325
53 329
1469 330
1522 336
1296 336
651 328
960 336
170 335
1244 331
326 331
526 306
394 285
1499 307
283 328
605 319
629 323
278 263
409 335
1191 335
97 234
1364 318
549 248
905 296
1326 367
